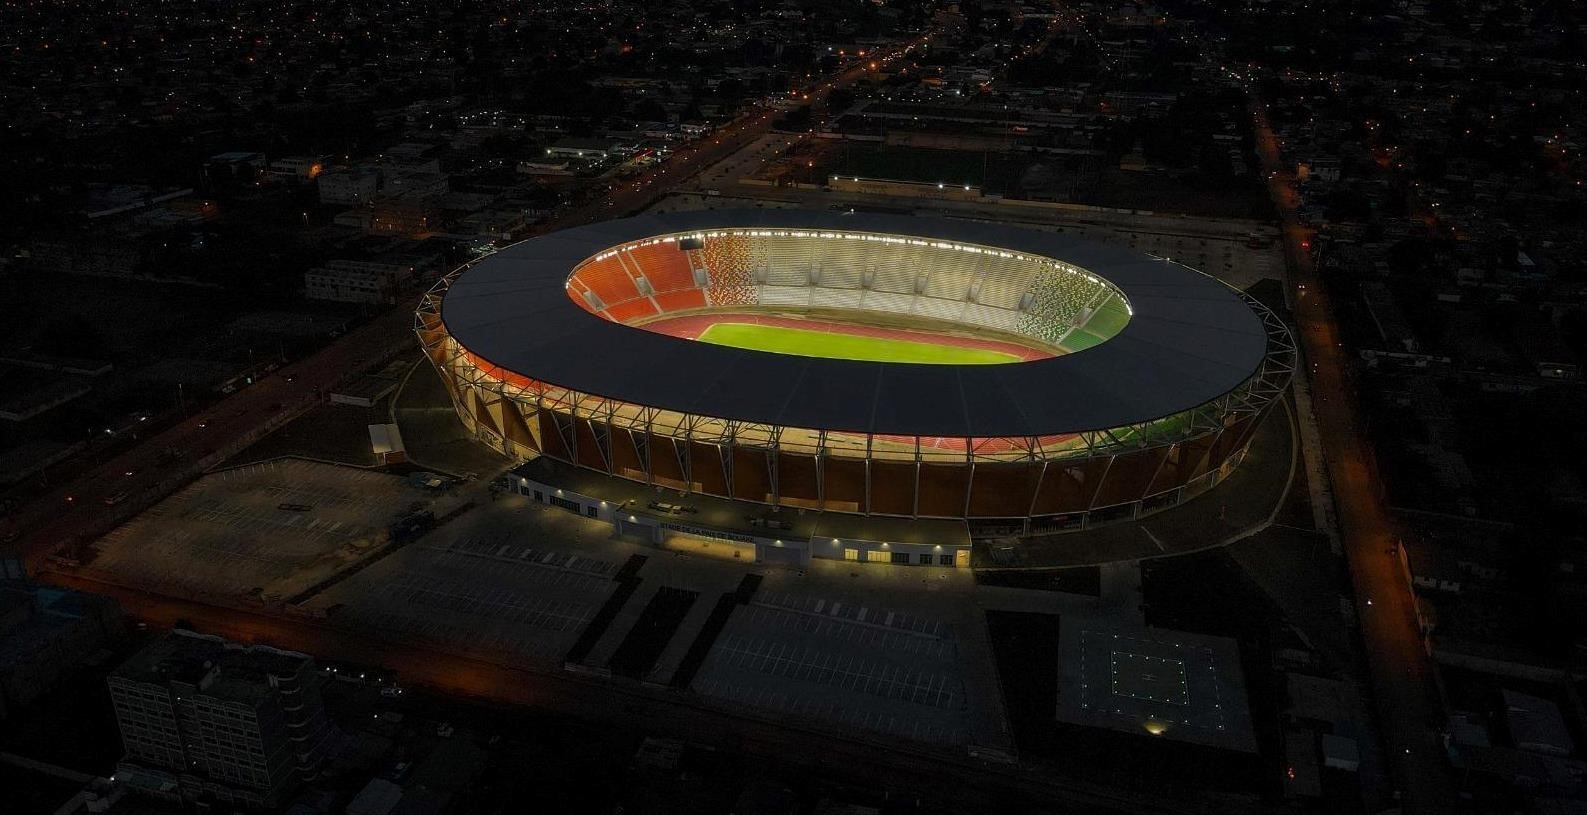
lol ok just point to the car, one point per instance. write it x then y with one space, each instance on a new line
392 692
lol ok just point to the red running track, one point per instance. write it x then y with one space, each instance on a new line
690 327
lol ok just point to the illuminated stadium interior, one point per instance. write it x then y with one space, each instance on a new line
1045 303
780 358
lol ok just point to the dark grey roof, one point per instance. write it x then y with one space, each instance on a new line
1191 340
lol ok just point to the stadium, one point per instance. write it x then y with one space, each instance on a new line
884 382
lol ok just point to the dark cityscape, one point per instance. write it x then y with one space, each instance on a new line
811 407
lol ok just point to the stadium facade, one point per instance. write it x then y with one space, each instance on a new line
1144 387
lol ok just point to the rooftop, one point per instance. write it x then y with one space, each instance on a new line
1191 339
1155 682
726 515
235 671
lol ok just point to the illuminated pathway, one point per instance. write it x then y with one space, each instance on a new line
102 495
1409 711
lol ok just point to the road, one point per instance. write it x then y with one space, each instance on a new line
634 194
1410 713
96 498
949 778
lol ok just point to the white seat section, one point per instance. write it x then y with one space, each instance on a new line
789 260
841 263
893 271
934 282
999 318
841 273
952 310
948 273
1005 280
785 295
835 298
888 301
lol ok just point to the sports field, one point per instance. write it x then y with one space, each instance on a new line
834 345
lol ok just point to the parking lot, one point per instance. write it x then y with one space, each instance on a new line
266 531
878 648
520 611
893 650
491 585
870 667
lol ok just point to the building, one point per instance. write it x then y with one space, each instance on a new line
1320 168
903 189
413 185
237 166
588 149
557 168
203 719
404 216
341 285
297 168
19 407
32 457
45 632
501 224
391 275
1536 725
349 187
539 346
378 797
1154 683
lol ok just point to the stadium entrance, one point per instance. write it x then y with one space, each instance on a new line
751 533
782 555
711 547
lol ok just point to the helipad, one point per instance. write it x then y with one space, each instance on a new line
1149 678
1155 682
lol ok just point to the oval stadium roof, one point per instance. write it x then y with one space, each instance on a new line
1191 339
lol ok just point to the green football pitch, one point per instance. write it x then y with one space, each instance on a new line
805 343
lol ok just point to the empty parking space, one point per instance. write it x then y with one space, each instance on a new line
871 637
862 665
858 612
875 677
469 599
266 530
507 552
890 651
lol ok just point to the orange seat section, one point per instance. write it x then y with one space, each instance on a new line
631 310
665 266
608 280
680 300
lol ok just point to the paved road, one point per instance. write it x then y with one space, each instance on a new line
1409 711
98 497
634 194
948 777
94 500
